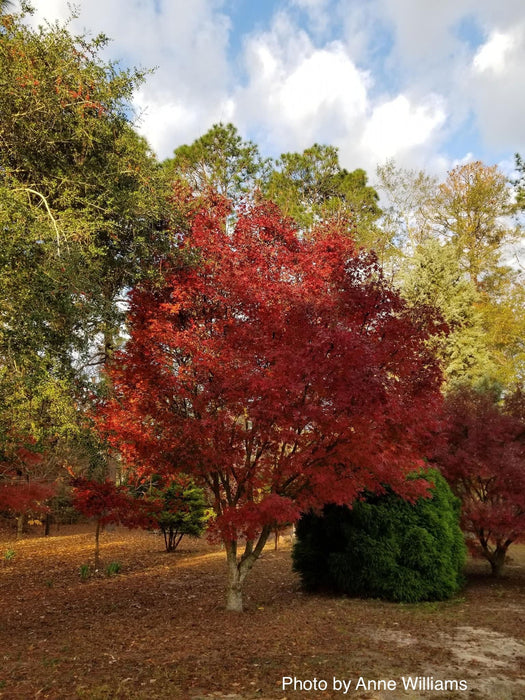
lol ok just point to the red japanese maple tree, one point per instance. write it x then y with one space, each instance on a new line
21 494
482 456
106 502
25 499
280 373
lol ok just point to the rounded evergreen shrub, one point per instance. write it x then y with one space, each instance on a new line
385 547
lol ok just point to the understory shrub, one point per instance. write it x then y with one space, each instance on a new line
385 547
183 512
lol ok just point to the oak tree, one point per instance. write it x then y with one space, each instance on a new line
80 220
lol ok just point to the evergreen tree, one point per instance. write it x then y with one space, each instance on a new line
312 187
385 547
219 161
183 512
81 211
433 277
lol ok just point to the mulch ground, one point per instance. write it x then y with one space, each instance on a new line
158 629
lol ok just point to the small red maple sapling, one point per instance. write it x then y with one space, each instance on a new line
482 456
20 494
280 373
24 499
105 502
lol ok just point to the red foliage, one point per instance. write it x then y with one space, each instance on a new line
25 497
20 494
19 456
281 373
106 503
482 457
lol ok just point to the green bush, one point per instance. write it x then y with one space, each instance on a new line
385 547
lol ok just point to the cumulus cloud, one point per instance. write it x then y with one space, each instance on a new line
302 95
496 73
399 125
377 78
493 54
185 43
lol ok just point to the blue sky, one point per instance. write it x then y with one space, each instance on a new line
430 83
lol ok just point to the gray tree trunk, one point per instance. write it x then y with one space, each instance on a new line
238 569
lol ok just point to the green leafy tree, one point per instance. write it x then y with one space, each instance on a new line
79 196
81 212
468 209
453 240
433 277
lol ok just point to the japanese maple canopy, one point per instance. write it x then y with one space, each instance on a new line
482 457
282 373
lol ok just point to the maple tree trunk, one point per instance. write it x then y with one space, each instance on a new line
20 525
497 561
235 581
238 569
97 545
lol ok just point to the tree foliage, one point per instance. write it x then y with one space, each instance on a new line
468 209
453 240
23 499
280 373
81 210
78 200
106 502
26 484
433 277
407 196
182 511
312 187
219 161
482 456
385 547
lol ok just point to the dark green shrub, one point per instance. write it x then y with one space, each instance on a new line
385 547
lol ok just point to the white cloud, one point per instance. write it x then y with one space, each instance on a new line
433 48
297 93
494 89
493 54
186 43
398 125
376 78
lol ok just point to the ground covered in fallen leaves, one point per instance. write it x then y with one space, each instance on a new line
158 628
